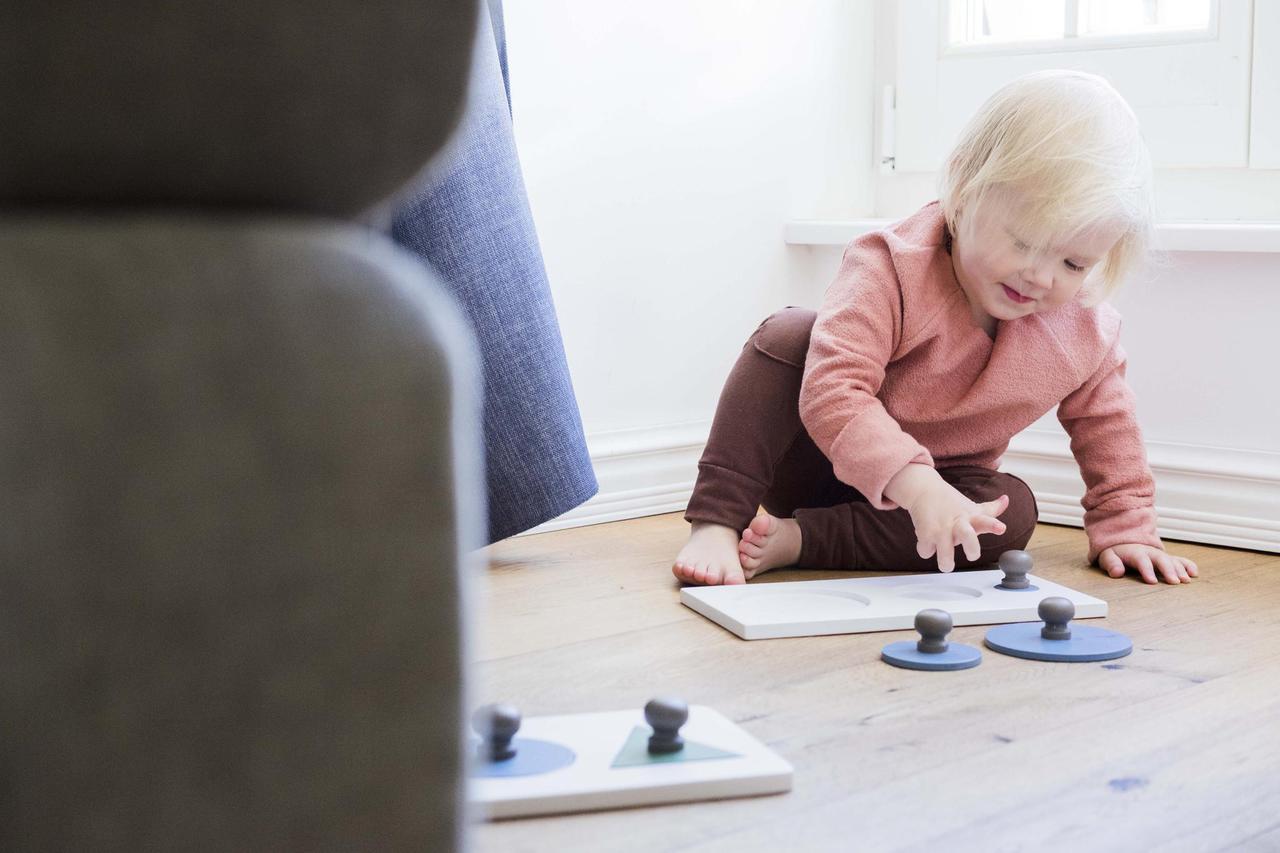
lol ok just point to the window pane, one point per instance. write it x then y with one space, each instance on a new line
987 21
1142 16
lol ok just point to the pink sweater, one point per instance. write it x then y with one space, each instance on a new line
897 372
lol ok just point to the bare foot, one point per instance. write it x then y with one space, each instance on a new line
767 543
710 556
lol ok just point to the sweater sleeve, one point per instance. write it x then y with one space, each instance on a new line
1119 500
855 335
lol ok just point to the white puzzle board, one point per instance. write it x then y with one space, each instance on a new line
591 782
854 605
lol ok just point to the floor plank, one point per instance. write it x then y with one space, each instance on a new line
1176 745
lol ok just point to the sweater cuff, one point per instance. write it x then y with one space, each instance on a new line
1135 526
866 455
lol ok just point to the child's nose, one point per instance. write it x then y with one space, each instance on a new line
1039 273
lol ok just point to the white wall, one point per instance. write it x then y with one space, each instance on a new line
664 145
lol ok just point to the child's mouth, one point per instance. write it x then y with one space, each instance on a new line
1015 295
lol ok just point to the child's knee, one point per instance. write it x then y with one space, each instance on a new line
784 335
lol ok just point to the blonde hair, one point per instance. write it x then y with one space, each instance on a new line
1069 146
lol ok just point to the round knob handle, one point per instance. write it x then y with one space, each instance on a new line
666 714
1015 565
1056 612
496 724
934 626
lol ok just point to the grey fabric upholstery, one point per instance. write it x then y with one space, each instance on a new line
239 461
291 105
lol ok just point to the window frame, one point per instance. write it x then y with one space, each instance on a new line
1247 191
1203 123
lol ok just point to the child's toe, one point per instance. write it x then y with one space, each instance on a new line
762 525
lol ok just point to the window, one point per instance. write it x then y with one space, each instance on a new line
1202 75
980 23
1189 84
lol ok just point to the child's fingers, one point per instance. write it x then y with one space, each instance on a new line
967 537
946 548
995 507
924 549
1112 564
1168 567
1192 569
1145 569
987 524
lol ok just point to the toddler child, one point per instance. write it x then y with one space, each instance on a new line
871 432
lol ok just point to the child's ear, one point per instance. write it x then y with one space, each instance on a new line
953 228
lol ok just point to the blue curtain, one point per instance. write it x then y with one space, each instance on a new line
472 223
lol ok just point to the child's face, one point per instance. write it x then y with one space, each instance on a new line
1004 280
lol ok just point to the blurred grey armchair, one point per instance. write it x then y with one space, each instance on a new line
239 464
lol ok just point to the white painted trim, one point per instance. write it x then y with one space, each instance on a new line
1093 41
1191 97
1215 495
1264 105
643 471
1170 236
1218 236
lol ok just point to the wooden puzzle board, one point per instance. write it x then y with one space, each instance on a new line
591 782
853 605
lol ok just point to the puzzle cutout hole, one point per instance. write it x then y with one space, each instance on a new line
923 592
886 603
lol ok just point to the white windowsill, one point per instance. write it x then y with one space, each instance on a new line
1170 236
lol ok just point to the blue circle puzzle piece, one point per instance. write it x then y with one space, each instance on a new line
1028 588
1023 640
906 655
532 757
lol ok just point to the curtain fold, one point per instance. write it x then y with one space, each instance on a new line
473 225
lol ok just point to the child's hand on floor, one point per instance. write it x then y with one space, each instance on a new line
1146 559
944 518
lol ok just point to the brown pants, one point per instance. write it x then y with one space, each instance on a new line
759 454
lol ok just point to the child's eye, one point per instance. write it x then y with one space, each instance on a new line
1073 267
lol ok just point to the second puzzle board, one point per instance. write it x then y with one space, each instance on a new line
762 611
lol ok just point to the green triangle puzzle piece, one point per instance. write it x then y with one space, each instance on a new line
636 751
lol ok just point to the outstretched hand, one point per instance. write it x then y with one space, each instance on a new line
1145 559
944 518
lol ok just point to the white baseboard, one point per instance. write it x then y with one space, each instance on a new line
645 471
1214 495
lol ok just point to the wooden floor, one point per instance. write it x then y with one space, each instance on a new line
1176 747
